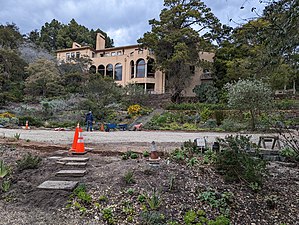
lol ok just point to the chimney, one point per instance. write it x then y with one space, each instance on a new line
100 42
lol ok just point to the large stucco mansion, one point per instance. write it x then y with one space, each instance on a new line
129 64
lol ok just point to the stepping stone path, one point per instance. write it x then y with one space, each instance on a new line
71 173
66 161
61 185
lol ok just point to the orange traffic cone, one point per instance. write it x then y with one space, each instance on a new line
102 127
75 138
80 149
26 126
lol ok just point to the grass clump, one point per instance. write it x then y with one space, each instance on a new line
4 170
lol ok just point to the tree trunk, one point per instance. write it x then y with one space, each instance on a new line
176 97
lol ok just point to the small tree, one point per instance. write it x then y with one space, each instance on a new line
44 79
252 95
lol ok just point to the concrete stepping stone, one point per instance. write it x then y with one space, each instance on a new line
76 164
71 173
74 159
58 185
54 157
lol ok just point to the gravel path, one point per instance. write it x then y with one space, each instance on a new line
66 137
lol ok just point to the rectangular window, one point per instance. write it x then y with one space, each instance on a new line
77 55
73 55
113 53
107 54
119 53
68 56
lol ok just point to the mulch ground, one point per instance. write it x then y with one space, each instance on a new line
177 186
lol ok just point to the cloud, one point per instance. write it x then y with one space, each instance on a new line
124 21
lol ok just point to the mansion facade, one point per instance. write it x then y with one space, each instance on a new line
130 64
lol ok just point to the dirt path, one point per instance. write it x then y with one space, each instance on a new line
96 137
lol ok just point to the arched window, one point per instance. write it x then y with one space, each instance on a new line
109 70
92 69
118 71
150 68
101 70
132 68
140 72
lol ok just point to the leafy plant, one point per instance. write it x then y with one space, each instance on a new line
254 186
130 191
141 198
271 201
199 217
178 154
209 157
129 154
4 170
190 217
108 216
82 195
28 162
146 154
192 162
129 177
6 185
103 198
134 155
217 200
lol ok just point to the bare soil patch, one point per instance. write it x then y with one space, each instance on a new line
178 187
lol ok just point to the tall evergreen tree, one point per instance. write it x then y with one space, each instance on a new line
183 30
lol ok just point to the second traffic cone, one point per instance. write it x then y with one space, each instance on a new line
80 149
27 125
75 138
102 127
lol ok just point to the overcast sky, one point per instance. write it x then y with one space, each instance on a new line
124 20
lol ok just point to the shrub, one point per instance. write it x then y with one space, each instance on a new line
152 218
219 116
194 106
134 109
232 126
146 154
286 104
290 154
28 162
236 164
205 114
7 115
32 121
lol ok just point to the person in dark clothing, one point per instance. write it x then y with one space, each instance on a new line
89 121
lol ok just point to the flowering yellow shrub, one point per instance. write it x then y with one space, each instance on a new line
7 115
134 109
